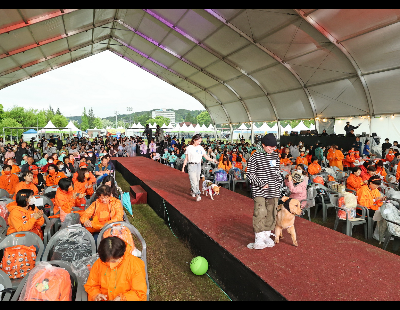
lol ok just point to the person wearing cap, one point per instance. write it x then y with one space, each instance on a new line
38 178
24 158
385 146
266 181
348 128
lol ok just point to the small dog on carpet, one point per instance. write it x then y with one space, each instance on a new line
209 188
285 218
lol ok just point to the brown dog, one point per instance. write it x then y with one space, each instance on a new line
285 218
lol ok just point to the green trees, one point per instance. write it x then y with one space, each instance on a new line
203 118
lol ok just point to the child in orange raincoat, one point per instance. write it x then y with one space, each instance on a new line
117 275
349 159
66 198
302 159
355 181
84 182
24 216
15 169
27 183
104 210
390 155
54 175
314 167
284 160
8 181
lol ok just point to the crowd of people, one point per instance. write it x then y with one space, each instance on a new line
78 177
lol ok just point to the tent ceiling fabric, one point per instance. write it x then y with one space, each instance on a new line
242 65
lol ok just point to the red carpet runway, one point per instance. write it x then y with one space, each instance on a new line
327 265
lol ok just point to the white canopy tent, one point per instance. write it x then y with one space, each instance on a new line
300 127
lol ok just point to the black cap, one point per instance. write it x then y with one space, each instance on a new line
269 140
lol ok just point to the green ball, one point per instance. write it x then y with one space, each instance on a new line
199 265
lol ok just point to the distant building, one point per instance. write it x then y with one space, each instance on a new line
164 113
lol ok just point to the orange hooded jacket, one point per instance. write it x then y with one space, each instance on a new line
335 159
83 187
354 182
14 170
54 179
103 214
302 160
22 220
23 185
64 203
349 160
314 168
368 198
127 280
9 182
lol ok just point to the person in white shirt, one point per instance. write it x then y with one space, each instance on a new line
193 157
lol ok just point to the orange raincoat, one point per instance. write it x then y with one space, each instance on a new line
349 160
52 180
286 162
302 160
314 168
64 202
23 185
368 198
9 182
390 156
335 159
103 214
354 182
381 171
14 169
127 280
23 220
398 173
83 187
222 165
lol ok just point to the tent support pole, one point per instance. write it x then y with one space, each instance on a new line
231 137
278 123
252 133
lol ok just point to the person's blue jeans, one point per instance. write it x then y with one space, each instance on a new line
194 171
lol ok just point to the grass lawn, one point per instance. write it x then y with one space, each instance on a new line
168 260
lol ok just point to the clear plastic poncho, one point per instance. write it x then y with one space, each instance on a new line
82 267
73 244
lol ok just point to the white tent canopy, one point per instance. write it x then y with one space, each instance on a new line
301 127
289 64
72 128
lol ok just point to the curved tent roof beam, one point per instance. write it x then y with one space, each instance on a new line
264 49
214 53
180 58
136 51
334 41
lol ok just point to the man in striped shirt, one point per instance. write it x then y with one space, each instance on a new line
265 178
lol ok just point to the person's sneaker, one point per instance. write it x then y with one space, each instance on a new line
198 198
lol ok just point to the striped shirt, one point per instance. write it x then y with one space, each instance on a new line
263 169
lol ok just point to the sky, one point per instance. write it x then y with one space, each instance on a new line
104 81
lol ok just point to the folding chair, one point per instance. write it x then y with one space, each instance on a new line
228 182
310 201
137 234
333 197
26 238
350 223
4 193
5 286
77 287
3 228
234 181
